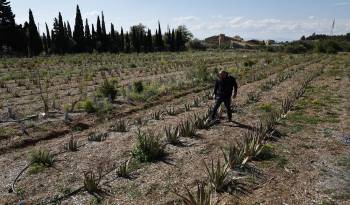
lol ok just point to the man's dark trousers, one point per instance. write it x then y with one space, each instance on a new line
227 103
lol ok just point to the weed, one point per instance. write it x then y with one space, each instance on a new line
148 147
88 106
253 144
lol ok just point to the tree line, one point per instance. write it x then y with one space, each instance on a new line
26 41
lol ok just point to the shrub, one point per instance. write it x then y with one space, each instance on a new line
42 157
148 147
89 107
108 90
138 87
253 143
196 44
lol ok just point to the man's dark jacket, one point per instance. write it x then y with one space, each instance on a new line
224 87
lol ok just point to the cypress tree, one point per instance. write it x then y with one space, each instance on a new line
8 30
48 37
69 30
172 44
99 29
78 34
127 43
93 36
104 33
160 38
121 40
6 15
149 41
34 40
45 47
112 40
88 37
60 40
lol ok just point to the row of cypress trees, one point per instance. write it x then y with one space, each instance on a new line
26 40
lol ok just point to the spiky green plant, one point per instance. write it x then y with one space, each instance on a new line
120 126
253 97
253 143
71 145
187 129
157 115
218 175
148 147
268 123
91 182
234 156
201 122
187 107
171 111
42 157
97 137
172 135
202 196
196 102
287 104
124 170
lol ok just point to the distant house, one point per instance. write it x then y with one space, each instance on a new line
222 39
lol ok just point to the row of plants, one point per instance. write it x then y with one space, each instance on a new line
238 155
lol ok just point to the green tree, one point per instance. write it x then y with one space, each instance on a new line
34 39
122 40
88 37
127 43
78 34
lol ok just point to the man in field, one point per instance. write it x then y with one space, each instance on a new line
224 86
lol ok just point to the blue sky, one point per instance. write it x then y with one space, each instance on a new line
260 19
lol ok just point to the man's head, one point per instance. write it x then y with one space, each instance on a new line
223 74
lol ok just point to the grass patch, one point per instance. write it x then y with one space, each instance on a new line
343 161
281 161
266 107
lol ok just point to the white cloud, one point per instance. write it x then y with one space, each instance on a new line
185 18
266 28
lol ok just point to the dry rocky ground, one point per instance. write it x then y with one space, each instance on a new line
309 162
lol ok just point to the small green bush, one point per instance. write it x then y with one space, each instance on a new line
108 89
148 147
88 106
138 87
41 157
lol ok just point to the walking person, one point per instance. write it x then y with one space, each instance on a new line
225 86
